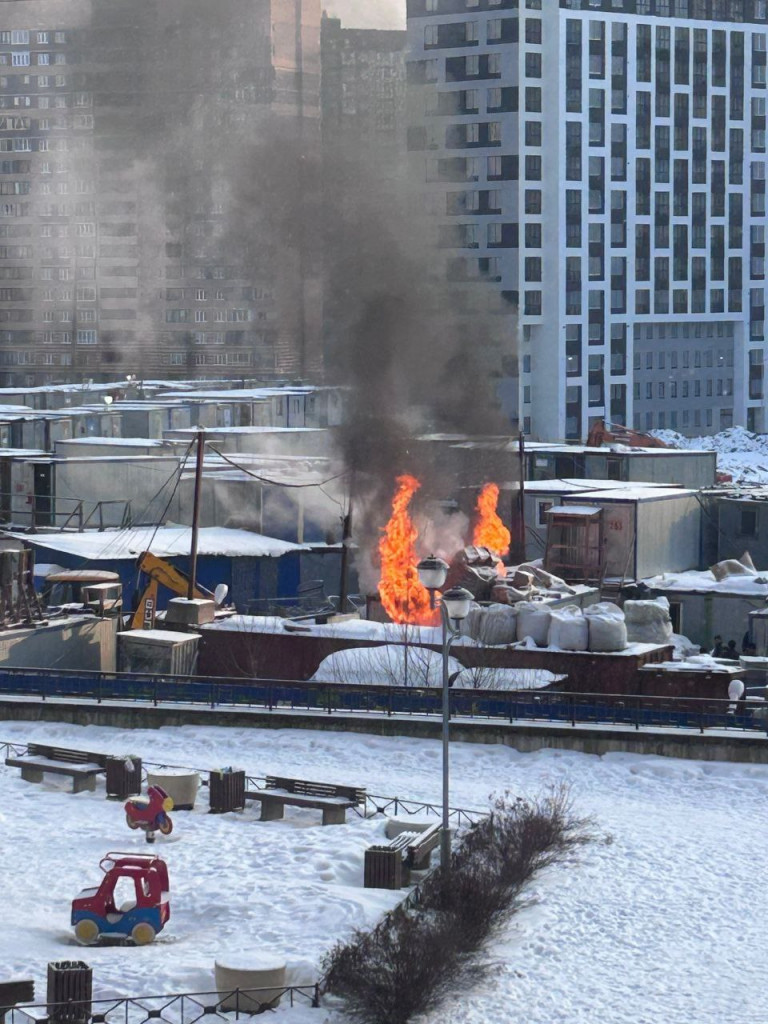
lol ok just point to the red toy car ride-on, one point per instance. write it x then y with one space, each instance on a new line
150 812
131 902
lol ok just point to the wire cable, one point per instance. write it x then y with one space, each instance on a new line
278 483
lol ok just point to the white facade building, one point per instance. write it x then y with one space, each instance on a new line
605 162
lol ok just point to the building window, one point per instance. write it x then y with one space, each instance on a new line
533 99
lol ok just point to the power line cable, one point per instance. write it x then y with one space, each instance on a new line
278 483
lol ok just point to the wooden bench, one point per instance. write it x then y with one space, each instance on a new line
82 766
13 992
389 866
333 801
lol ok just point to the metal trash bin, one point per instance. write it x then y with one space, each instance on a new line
226 791
70 985
123 777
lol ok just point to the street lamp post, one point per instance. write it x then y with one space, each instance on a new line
454 606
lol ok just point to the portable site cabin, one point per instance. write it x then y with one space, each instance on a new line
145 419
644 531
680 468
702 607
252 566
48 491
542 495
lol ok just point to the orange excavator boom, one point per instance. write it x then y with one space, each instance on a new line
162 573
599 434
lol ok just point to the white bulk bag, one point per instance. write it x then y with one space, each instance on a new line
499 625
568 629
533 621
648 622
607 628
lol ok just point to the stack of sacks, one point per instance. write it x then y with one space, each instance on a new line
607 628
568 629
648 622
533 621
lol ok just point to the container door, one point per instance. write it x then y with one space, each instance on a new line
43 502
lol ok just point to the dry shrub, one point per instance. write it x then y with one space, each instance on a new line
403 966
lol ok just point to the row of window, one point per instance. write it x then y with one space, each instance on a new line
686 418
702 10
670 390
200 316
23 59
62 102
210 358
23 37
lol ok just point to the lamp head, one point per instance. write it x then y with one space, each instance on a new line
457 601
432 572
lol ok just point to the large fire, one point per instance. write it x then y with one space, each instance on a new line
402 594
489 531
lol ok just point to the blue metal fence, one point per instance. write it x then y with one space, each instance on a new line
555 707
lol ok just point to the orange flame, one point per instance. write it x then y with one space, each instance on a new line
402 594
489 531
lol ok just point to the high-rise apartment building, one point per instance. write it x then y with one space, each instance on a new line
131 133
604 161
363 93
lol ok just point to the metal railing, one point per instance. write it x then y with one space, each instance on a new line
557 708
372 805
176 1008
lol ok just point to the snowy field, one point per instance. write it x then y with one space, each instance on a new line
664 924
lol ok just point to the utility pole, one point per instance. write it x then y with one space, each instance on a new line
517 512
196 515
521 495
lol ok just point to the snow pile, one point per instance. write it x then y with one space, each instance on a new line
683 647
740 453
504 679
388 665
695 582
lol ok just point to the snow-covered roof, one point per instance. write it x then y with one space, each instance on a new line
639 492
695 582
210 431
575 485
111 545
158 636
244 394
545 448
575 510
118 442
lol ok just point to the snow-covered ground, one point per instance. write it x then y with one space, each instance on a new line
739 452
664 923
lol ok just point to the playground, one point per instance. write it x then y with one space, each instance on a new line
659 915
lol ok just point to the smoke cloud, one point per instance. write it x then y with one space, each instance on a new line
416 350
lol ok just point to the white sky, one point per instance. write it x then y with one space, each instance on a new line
368 13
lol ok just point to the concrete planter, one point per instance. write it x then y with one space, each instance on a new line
239 974
181 786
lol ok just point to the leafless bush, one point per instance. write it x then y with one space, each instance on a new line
384 975
402 967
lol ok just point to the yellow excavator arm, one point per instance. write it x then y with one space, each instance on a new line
162 573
